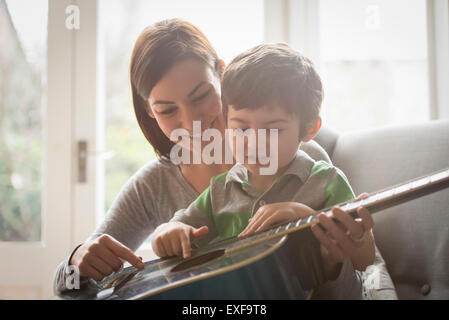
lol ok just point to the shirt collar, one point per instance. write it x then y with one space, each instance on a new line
300 166
238 173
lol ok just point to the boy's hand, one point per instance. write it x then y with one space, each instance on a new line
350 238
174 238
271 214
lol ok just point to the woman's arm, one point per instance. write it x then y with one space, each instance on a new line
131 218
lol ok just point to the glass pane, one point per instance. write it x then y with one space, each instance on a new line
23 54
121 21
374 62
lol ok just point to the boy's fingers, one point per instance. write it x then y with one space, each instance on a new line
362 196
258 217
185 245
266 223
200 232
158 247
256 221
175 246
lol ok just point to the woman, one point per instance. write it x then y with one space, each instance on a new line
175 77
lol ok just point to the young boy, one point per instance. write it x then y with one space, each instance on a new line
273 87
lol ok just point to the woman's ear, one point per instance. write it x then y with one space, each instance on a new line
313 127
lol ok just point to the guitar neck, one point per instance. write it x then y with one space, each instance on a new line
404 192
374 202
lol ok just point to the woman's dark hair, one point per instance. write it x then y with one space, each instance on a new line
273 74
157 49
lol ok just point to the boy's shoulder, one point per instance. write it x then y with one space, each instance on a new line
318 169
322 169
305 166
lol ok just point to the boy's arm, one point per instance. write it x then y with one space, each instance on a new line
197 215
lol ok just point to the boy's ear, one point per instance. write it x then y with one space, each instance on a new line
313 127
220 67
222 63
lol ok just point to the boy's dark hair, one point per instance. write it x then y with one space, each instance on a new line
273 74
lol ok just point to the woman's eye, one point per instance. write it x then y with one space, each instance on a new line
201 97
168 111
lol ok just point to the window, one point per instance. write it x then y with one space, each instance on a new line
23 58
231 26
373 62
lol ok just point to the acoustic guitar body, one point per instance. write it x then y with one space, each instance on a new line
275 269
288 267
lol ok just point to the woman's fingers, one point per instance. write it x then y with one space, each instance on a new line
338 234
123 252
104 268
102 256
330 247
367 219
91 272
108 256
355 229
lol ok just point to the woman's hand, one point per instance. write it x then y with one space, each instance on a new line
350 238
174 238
102 256
271 214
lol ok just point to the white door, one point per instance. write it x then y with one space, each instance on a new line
36 151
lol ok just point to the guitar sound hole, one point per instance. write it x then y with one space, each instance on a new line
196 261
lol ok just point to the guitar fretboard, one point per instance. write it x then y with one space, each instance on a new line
374 202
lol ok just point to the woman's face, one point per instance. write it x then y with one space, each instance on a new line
189 91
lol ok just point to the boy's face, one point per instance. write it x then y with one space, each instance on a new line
267 117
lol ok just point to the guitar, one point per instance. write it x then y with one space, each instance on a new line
283 262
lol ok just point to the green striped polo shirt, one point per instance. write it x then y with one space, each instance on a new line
227 204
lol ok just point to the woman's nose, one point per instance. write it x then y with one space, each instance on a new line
188 119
